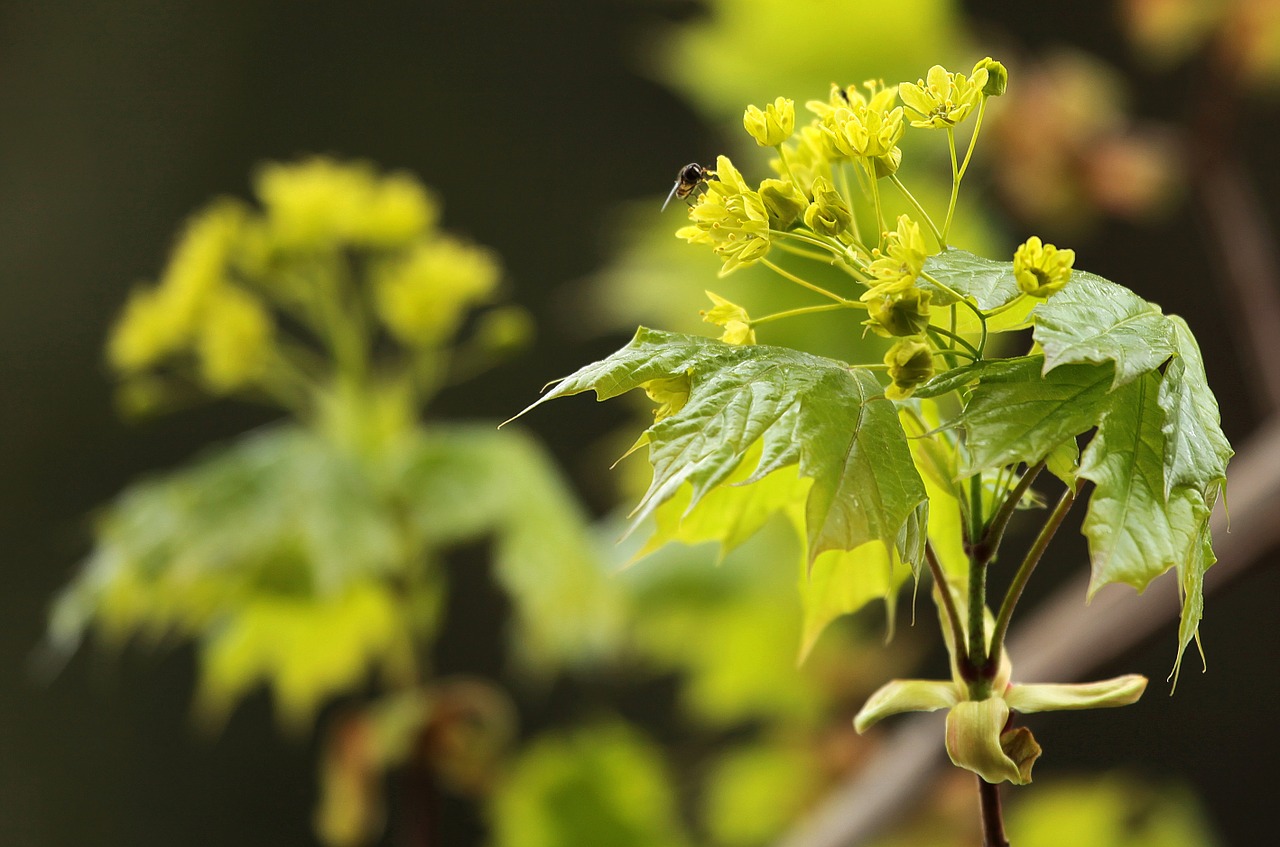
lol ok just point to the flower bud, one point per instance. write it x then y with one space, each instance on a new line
997 77
888 164
773 125
910 363
828 214
783 201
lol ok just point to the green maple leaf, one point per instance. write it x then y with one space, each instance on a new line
1017 414
1136 533
988 283
826 417
1195 452
1093 320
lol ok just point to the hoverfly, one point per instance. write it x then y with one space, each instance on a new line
690 178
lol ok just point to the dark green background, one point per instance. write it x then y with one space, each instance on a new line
531 121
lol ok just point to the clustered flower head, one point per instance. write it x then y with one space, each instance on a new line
807 206
863 126
897 266
336 255
731 217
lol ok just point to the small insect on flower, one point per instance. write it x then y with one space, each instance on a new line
690 178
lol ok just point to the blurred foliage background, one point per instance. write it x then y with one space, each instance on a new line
551 131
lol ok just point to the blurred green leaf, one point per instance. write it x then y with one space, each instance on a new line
1109 811
301 564
601 785
307 648
469 481
842 582
733 630
754 792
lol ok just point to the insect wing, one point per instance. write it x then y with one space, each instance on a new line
674 189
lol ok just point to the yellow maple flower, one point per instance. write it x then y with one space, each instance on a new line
898 265
943 99
734 319
730 217
423 295
1042 269
772 125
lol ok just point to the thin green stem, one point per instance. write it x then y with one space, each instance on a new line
785 274
955 182
957 173
799 251
786 166
948 602
991 539
972 351
843 170
982 318
949 291
973 139
911 198
1006 307
844 256
806 310
1024 570
875 196
836 251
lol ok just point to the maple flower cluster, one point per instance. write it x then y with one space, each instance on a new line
336 257
852 140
